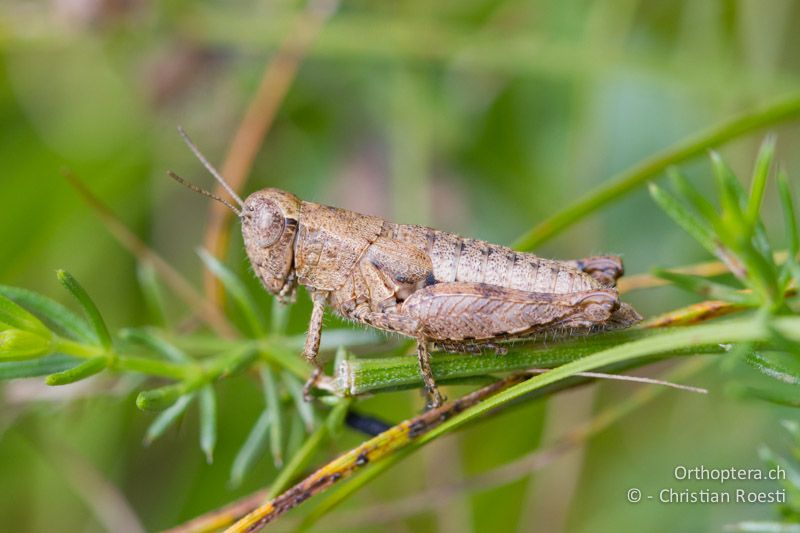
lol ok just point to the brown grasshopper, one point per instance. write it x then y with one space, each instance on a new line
452 292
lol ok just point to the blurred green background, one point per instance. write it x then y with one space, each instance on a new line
475 116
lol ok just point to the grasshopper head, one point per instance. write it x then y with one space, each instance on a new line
269 226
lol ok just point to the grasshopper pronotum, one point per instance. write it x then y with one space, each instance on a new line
439 288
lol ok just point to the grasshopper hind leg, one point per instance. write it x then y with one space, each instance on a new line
606 269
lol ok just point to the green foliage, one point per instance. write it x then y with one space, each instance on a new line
737 237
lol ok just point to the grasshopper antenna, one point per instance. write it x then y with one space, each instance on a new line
204 192
209 166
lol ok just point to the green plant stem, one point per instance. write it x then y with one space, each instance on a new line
358 376
621 184
143 365
153 367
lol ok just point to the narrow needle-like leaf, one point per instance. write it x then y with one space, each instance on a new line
276 416
707 288
65 320
251 448
153 298
690 222
303 408
89 307
162 397
166 418
88 368
40 366
760 174
692 195
237 290
772 368
17 317
789 216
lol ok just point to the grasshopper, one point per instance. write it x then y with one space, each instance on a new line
443 290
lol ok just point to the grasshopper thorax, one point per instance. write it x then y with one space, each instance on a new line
269 227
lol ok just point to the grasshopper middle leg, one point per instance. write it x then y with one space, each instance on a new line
311 349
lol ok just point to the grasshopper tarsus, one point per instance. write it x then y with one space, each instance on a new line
311 383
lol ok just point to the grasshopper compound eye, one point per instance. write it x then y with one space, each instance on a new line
267 220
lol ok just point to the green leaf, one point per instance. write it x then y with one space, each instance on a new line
208 422
335 420
685 218
37 367
18 344
790 218
65 320
237 290
251 449
790 224
273 402
17 317
770 366
773 460
731 196
747 237
162 397
686 191
166 418
84 370
760 174
92 313
153 297
297 434
304 409
707 288
279 318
